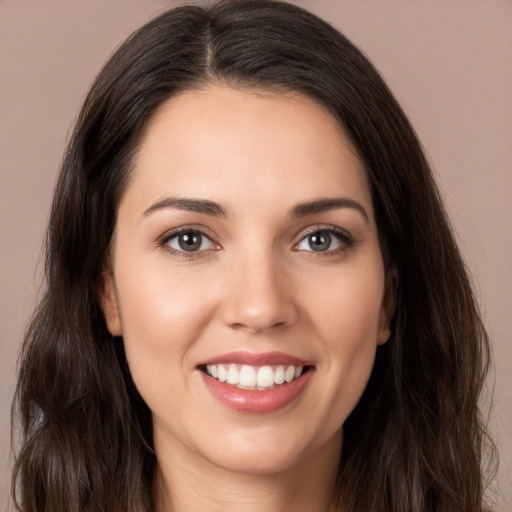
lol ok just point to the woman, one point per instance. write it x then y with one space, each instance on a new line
254 300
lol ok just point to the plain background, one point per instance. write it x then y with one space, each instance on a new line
449 62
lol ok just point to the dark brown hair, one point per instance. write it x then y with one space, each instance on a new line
415 440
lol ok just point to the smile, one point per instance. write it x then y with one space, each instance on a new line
256 383
253 377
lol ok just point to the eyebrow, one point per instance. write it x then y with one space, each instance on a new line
323 205
212 208
192 205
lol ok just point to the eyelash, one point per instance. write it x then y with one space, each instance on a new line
189 255
346 240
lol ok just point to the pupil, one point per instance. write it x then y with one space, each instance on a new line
320 241
189 241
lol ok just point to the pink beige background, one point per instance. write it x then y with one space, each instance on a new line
449 62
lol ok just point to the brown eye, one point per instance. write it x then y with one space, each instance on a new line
189 241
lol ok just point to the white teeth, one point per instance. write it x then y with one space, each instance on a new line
250 377
289 374
212 370
232 375
265 377
247 376
279 375
223 374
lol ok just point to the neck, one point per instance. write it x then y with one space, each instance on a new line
186 483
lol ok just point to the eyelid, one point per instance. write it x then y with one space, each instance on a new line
342 234
163 241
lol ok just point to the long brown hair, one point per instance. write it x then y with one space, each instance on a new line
415 441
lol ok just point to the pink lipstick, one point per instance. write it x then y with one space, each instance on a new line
256 383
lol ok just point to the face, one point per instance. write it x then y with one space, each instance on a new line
246 279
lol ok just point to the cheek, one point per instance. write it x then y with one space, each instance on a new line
162 312
345 307
344 313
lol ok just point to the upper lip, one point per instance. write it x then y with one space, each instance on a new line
253 359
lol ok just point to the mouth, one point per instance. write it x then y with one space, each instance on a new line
254 378
256 383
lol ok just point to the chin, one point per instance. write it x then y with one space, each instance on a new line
268 453
260 464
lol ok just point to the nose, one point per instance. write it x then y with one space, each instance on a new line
258 295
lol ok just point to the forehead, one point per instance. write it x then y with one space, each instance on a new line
227 145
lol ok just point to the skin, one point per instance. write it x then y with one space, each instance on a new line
255 285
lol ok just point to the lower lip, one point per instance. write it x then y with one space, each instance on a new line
251 401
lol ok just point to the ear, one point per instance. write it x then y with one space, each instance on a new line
388 307
107 298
